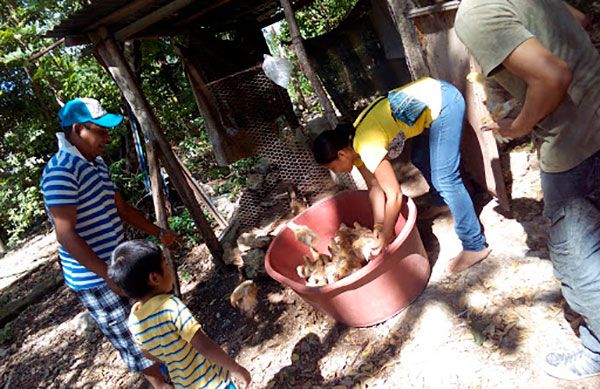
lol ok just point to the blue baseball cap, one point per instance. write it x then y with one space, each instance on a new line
83 110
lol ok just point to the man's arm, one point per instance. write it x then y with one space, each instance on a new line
65 220
137 219
547 77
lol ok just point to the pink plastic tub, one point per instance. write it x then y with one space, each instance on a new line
379 290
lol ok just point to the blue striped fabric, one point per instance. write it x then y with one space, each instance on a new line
70 179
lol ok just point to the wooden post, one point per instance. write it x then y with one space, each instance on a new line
110 53
305 65
412 47
158 197
3 248
216 123
131 53
201 196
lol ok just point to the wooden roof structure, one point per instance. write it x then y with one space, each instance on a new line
126 19
106 23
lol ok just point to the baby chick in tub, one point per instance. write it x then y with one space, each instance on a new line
349 250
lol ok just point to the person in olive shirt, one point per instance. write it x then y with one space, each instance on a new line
540 52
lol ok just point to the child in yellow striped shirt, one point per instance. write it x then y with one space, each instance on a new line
164 327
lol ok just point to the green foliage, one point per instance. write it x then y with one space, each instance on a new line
185 227
130 184
28 103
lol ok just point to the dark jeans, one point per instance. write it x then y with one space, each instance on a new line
573 207
436 153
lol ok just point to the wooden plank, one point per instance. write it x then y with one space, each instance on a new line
121 72
132 53
158 198
305 65
203 11
201 196
215 123
120 13
152 18
492 168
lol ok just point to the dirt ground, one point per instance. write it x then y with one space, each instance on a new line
489 327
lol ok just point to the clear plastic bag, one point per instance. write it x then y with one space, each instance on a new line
278 69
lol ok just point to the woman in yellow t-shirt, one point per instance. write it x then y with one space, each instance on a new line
432 112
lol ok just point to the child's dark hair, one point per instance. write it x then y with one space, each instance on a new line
326 146
131 264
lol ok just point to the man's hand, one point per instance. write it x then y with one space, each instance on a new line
506 128
118 291
168 237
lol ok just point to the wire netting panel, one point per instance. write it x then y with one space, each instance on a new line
260 109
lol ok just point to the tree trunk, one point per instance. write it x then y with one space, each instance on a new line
121 72
305 65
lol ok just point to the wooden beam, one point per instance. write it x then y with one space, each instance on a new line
215 123
158 197
152 18
112 56
203 11
413 50
305 65
132 54
201 196
125 11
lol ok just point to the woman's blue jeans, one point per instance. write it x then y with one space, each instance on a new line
436 153
572 203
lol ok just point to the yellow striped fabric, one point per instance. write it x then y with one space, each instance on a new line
164 327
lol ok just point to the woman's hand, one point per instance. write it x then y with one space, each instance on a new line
383 239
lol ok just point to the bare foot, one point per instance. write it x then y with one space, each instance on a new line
432 212
466 259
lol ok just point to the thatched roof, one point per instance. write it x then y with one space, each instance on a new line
128 19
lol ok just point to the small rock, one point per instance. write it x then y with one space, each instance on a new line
3 352
84 323
254 263
254 181
232 255
248 241
262 167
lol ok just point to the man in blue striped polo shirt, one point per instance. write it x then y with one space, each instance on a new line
88 213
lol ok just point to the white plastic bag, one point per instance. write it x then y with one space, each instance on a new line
278 70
